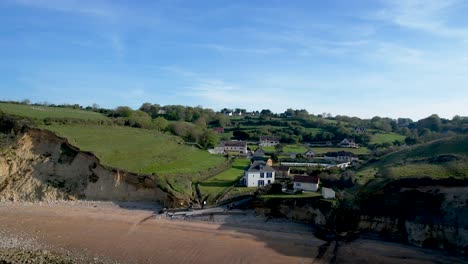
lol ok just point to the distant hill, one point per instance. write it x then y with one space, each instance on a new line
438 159
42 112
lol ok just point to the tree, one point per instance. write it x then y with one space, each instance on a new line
208 139
123 111
160 123
266 113
279 148
140 119
26 102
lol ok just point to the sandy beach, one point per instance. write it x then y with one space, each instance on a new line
104 232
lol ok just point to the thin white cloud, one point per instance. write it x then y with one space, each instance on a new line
98 9
428 16
224 48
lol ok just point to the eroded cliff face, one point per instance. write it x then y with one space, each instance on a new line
423 212
42 166
431 214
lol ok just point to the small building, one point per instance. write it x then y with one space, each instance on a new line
259 173
282 171
228 113
306 183
309 154
340 156
348 143
232 146
161 112
259 152
360 130
328 193
268 141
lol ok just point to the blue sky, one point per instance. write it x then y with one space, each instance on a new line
392 58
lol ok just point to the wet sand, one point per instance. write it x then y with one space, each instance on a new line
108 233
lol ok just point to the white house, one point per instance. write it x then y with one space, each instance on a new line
309 154
231 146
306 183
328 193
340 156
258 174
348 143
359 130
268 141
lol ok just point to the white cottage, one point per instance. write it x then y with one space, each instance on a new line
306 183
268 141
259 173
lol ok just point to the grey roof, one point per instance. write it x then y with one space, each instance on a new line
235 143
260 166
269 138
259 152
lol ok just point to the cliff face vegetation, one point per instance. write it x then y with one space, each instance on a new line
38 165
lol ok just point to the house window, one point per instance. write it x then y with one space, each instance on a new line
269 175
262 175
261 183
298 184
269 181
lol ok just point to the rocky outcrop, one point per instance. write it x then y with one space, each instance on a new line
43 166
424 212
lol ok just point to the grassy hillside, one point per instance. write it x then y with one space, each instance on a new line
41 112
142 151
216 185
438 159
380 138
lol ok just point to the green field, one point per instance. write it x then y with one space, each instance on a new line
438 159
359 151
41 112
142 151
380 138
217 184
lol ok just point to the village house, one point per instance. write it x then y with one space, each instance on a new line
229 113
267 160
268 141
348 143
328 193
340 156
282 172
232 146
309 154
259 152
259 173
359 130
306 183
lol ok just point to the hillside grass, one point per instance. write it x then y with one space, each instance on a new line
216 185
438 159
380 138
142 151
323 150
42 112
